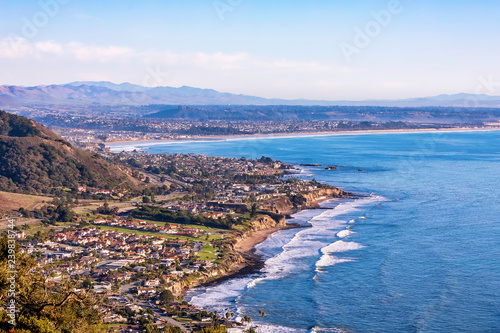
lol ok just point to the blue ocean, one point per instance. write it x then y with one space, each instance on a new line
419 252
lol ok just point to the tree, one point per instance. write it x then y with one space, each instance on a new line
64 214
166 297
87 284
253 211
60 310
115 287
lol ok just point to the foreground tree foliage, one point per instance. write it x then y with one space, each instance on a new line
43 306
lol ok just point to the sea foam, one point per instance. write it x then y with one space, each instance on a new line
291 250
341 246
344 233
327 260
220 297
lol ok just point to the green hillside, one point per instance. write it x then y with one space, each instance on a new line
34 159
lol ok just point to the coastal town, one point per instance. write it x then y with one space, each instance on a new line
96 126
231 166
140 254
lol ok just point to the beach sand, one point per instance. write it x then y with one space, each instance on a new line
248 244
246 248
295 134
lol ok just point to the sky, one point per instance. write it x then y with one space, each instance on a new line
314 49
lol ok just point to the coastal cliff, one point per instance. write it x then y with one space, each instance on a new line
289 204
267 221
239 257
232 263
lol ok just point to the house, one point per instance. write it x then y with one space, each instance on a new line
114 318
146 290
133 307
152 283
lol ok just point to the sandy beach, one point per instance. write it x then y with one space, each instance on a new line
248 244
295 134
246 247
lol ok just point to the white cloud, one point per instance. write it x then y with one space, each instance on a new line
237 72
19 47
49 47
15 47
84 52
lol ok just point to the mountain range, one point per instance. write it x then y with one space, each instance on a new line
108 93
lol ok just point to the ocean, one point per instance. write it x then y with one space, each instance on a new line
419 252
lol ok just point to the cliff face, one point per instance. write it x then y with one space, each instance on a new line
328 193
272 216
289 204
267 222
234 260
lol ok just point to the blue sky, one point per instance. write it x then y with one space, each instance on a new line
316 49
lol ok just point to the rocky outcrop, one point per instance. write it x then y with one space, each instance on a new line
333 192
234 261
268 221
289 204
272 215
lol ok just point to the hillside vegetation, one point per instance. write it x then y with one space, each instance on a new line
34 159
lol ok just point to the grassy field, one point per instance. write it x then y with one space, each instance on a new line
207 253
34 228
206 229
184 320
14 201
156 234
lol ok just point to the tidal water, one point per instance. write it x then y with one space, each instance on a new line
420 252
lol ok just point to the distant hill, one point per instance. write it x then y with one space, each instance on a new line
108 93
34 159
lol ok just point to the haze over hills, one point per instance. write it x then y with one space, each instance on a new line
107 93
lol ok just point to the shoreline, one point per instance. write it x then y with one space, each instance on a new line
304 134
246 248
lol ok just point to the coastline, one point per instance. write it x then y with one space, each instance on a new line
246 248
253 263
305 134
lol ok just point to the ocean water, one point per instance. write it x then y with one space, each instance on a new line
419 253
